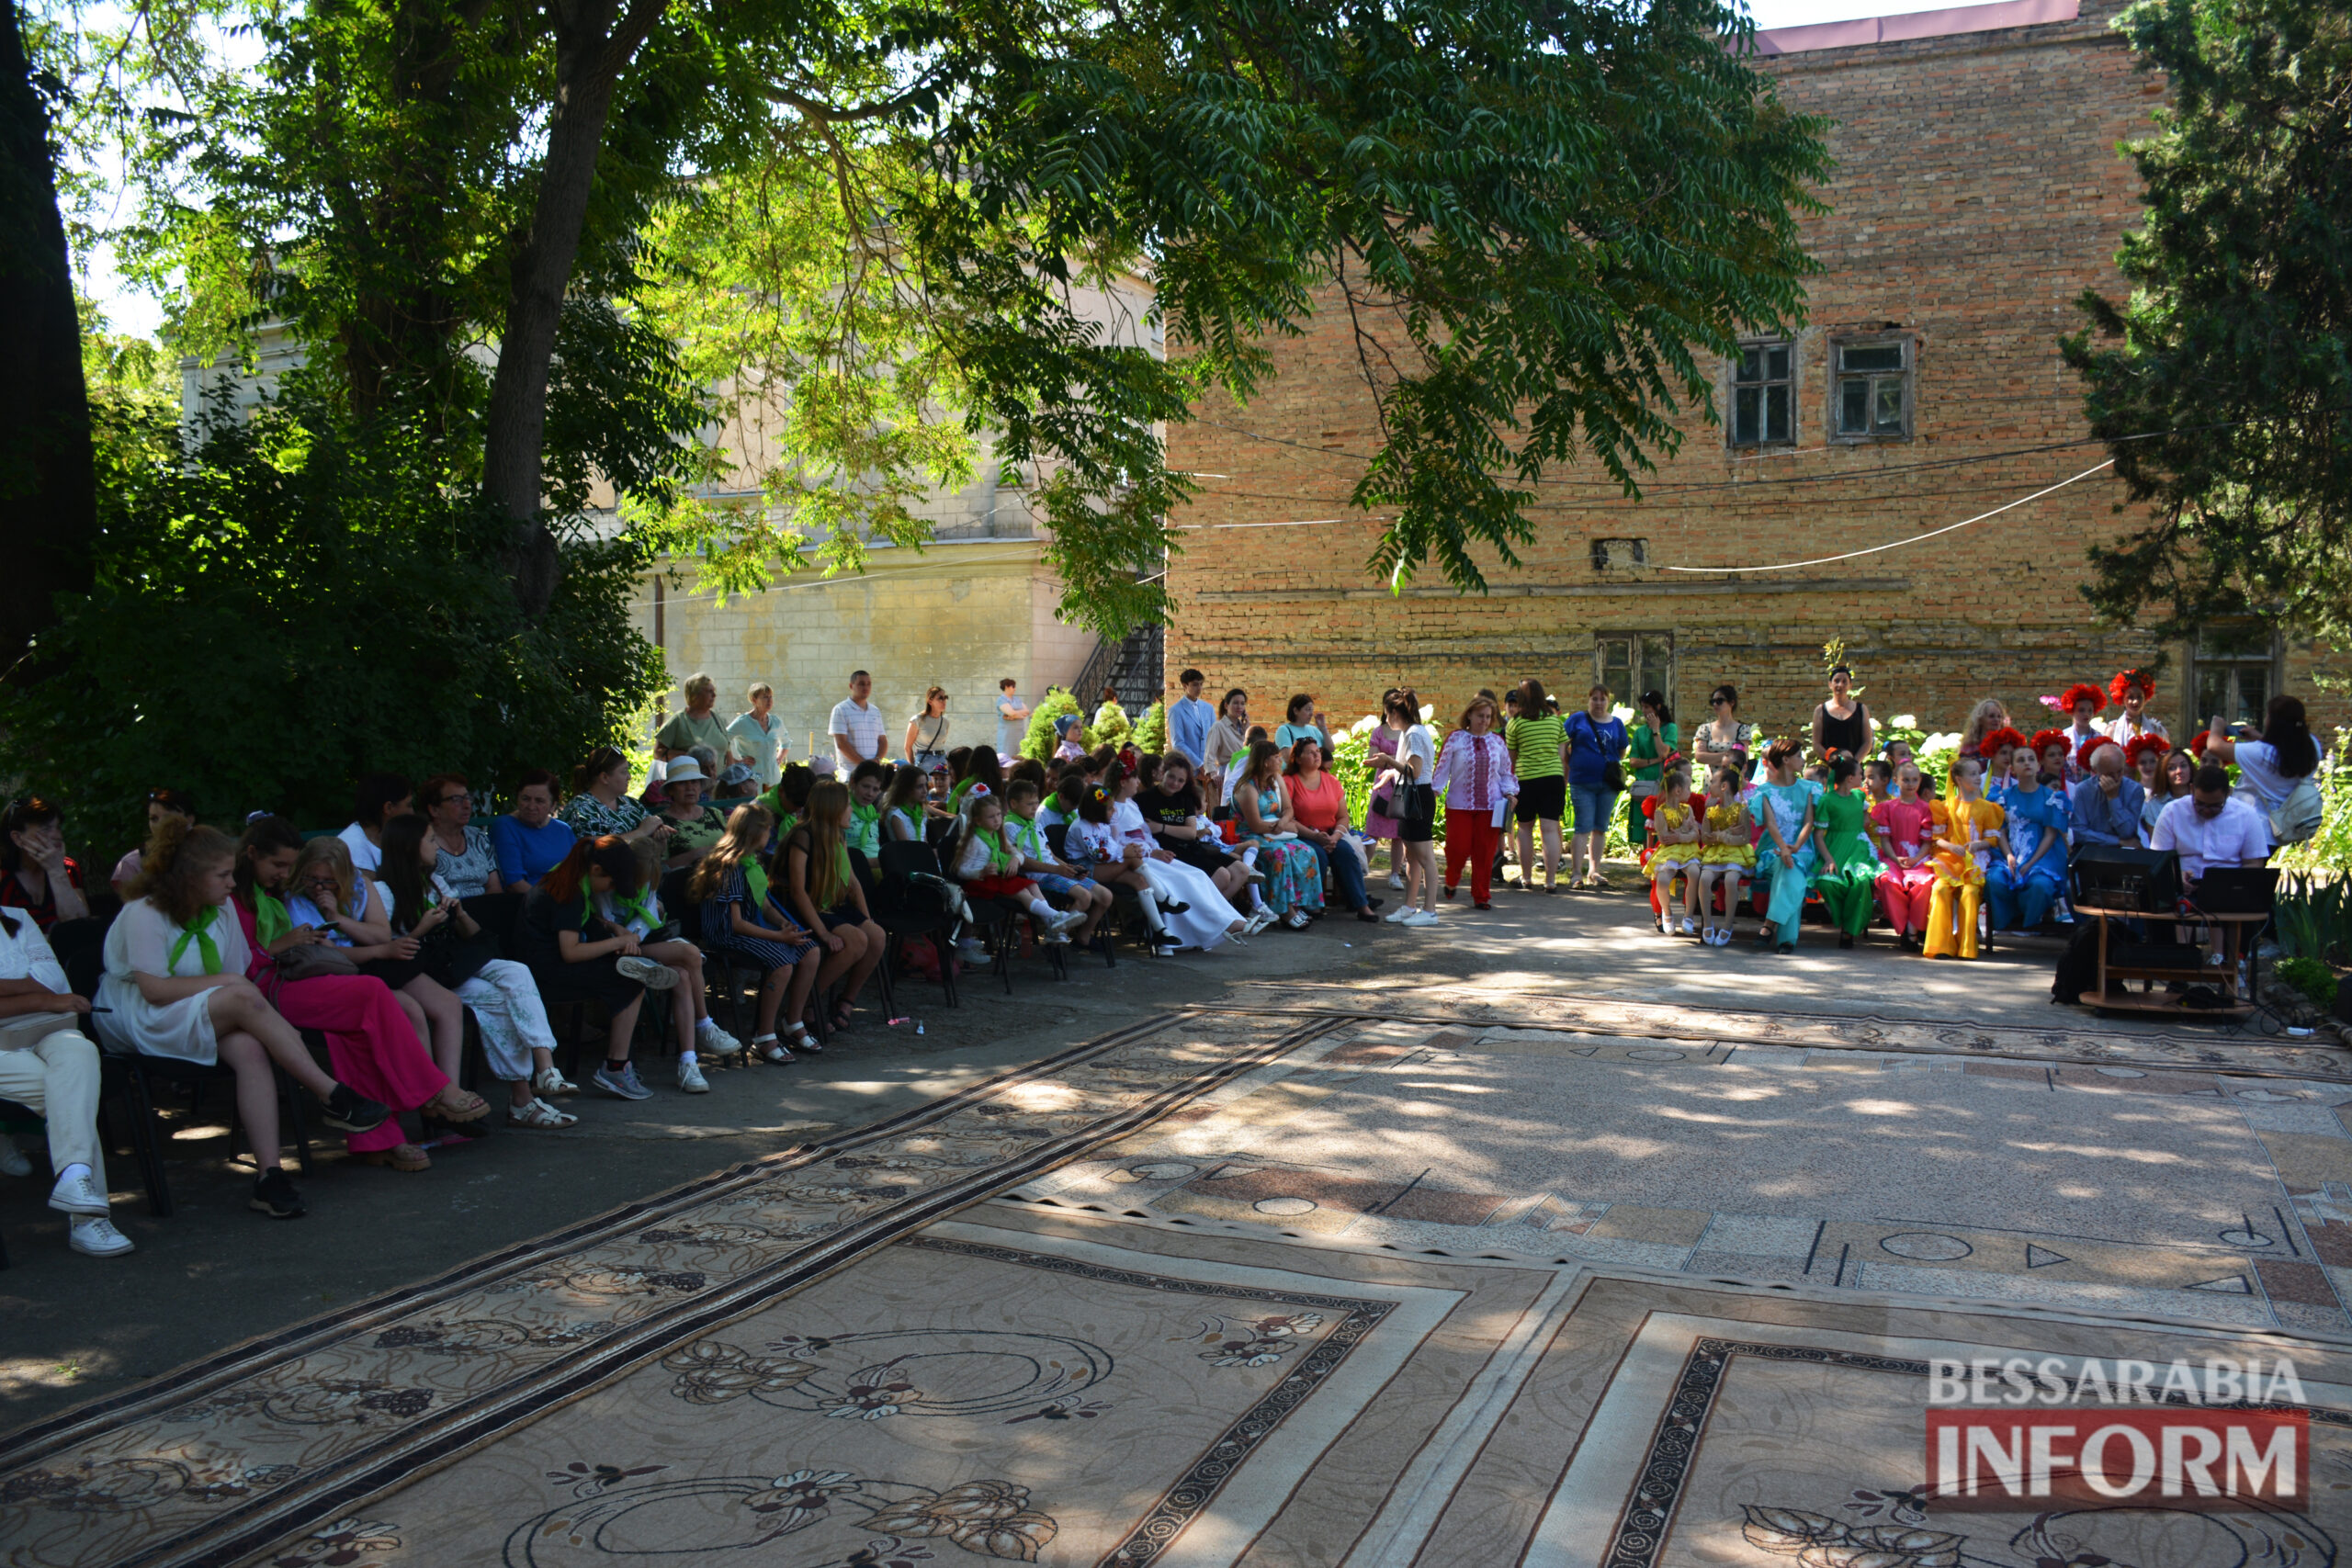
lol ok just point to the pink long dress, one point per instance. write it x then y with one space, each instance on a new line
1377 824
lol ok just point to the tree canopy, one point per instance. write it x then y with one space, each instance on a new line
2224 384
563 241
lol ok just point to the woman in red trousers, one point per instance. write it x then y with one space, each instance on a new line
370 1043
1475 778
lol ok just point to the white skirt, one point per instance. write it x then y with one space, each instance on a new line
1209 919
181 1030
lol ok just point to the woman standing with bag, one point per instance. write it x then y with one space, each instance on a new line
926 739
1474 780
1380 815
1412 770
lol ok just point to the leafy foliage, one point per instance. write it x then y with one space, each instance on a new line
1151 730
2313 978
1039 741
2223 386
2329 849
280 608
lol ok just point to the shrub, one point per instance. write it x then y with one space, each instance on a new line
2329 849
279 608
1111 726
1038 743
2313 979
1151 730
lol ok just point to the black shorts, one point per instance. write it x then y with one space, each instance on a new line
1542 800
842 915
1416 830
1196 853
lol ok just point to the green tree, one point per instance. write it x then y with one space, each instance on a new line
2223 385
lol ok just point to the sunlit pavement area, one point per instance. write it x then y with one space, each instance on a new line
2185 1190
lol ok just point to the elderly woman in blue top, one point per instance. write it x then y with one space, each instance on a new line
1785 856
2028 868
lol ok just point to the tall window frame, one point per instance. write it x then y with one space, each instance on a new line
2235 668
1763 394
1873 386
1629 663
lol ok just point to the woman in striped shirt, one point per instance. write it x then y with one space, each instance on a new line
1539 745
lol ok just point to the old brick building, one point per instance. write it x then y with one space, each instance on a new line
1978 191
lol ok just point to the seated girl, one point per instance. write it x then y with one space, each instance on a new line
457 956
811 870
576 954
1679 851
1198 913
1727 856
1970 833
1849 868
989 866
740 920
2028 868
1092 844
161 803
868 782
1905 828
905 804
677 960
1170 806
175 986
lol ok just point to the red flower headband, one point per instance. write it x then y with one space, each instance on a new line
2126 679
2082 691
2197 742
2141 745
2005 736
2045 739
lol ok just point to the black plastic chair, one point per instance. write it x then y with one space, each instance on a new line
911 902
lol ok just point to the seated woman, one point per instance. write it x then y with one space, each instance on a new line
1848 863
51 1067
2144 760
1727 853
1970 833
530 841
1090 843
579 955
37 878
467 865
694 827
1905 828
740 920
1171 808
1026 836
1982 720
1198 913
812 868
2277 771
161 803
454 956
2029 868
1294 888
2177 769
1678 852
600 803
905 805
1319 801
380 797
175 986
1785 858
866 782
989 866
354 912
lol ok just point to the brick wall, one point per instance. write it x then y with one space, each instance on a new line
1977 193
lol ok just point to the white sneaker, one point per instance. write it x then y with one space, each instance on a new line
551 1080
12 1159
77 1194
1066 919
709 1037
1419 917
1163 950
1399 915
645 972
690 1078
1397 880
96 1236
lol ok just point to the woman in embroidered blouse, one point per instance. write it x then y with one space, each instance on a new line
175 986
1905 828
2029 865
1727 854
1294 887
601 804
468 864
1474 780
1848 865
1784 859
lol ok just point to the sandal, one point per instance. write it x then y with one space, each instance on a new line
540 1114
406 1156
802 1041
455 1105
769 1049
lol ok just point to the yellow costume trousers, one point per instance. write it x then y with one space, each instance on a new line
1952 914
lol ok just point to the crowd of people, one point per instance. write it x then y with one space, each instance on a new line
218 950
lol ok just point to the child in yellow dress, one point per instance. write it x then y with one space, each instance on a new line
1727 854
1968 826
1678 854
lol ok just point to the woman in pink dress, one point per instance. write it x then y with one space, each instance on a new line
1378 823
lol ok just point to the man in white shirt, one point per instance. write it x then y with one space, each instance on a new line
2211 828
856 726
757 736
51 1067
1011 718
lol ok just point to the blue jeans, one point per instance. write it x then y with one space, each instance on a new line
1343 868
1592 804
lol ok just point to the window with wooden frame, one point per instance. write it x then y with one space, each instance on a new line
2234 669
1764 394
1871 387
1630 663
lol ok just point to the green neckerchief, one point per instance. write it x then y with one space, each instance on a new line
866 829
1000 861
640 904
756 882
270 919
199 932
1025 831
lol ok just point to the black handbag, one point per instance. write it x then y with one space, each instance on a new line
451 959
1415 802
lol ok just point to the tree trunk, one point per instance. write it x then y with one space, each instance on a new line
47 486
591 52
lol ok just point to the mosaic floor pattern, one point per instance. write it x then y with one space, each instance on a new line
1272 1289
